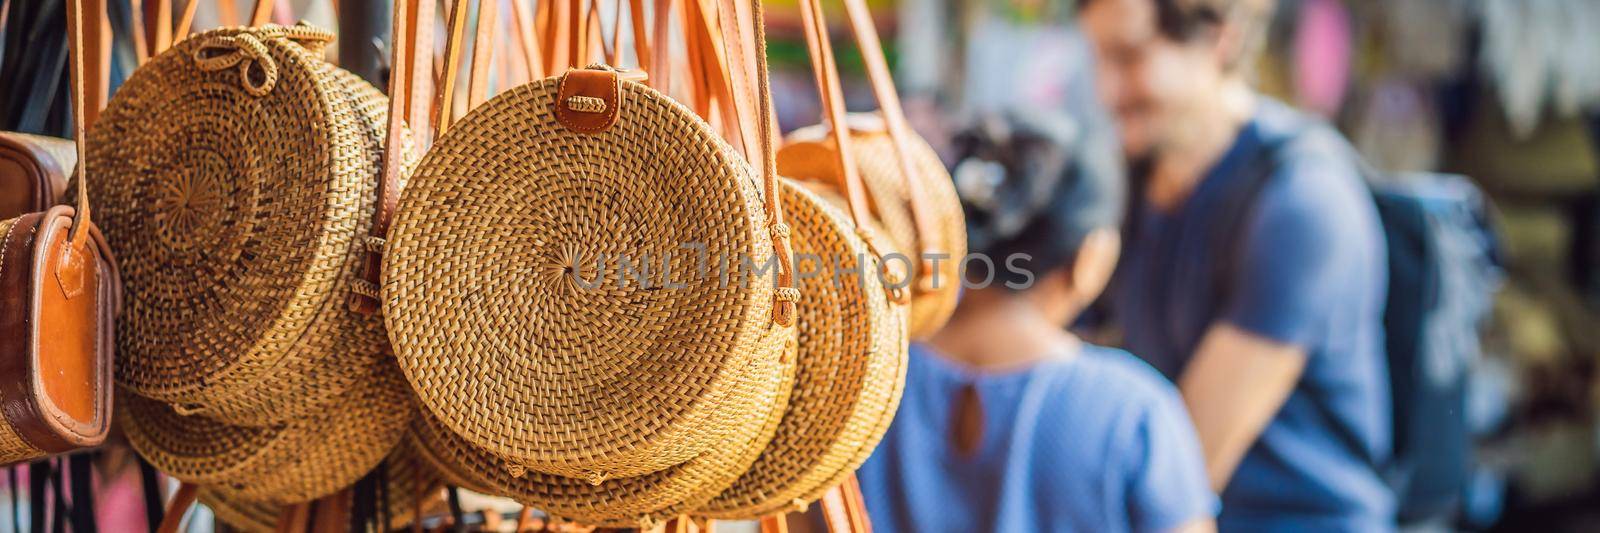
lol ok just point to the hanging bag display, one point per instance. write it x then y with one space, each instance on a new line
852 324
240 174
633 422
59 294
514 294
911 190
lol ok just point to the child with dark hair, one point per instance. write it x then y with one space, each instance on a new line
1009 422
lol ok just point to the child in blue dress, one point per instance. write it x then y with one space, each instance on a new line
1009 422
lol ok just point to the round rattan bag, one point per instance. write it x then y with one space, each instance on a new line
294 461
638 501
807 154
238 171
411 489
581 278
852 342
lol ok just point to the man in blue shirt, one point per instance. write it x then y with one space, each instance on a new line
1274 336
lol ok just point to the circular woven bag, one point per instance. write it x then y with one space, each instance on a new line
412 489
852 342
807 153
513 297
294 461
640 501
239 172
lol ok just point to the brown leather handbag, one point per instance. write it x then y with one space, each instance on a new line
33 172
58 298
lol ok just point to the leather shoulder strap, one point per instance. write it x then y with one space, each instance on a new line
894 119
411 70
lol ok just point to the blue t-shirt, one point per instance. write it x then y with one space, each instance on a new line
1096 442
1312 272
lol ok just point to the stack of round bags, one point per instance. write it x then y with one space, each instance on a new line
599 319
580 306
239 170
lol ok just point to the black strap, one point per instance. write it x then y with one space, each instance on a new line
16 513
154 511
361 503
82 477
58 520
38 495
454 495
383 496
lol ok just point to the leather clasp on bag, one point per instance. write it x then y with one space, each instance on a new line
586 100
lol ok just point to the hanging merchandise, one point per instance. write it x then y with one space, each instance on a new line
540 285
574 158
910 187
240 175
852 323
408 489
61 291
1539 55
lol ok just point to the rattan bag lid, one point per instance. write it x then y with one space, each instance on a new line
513 296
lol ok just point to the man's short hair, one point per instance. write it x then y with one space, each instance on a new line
1189 20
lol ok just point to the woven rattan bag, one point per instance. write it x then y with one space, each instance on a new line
412 489
543 289
914 196
239 171
851 330
294 461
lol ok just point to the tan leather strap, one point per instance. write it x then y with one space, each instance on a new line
141 35
551 34
894 119
181 502
641 35
578 36
262 13
159 27
482 52
660 67
271 11
856 504
835 513
727 58
826 73
294 518
775 523
701 57
524 26
788 295
410 72
227 13
185 21
442 108
88 41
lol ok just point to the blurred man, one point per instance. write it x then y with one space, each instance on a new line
1264 303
